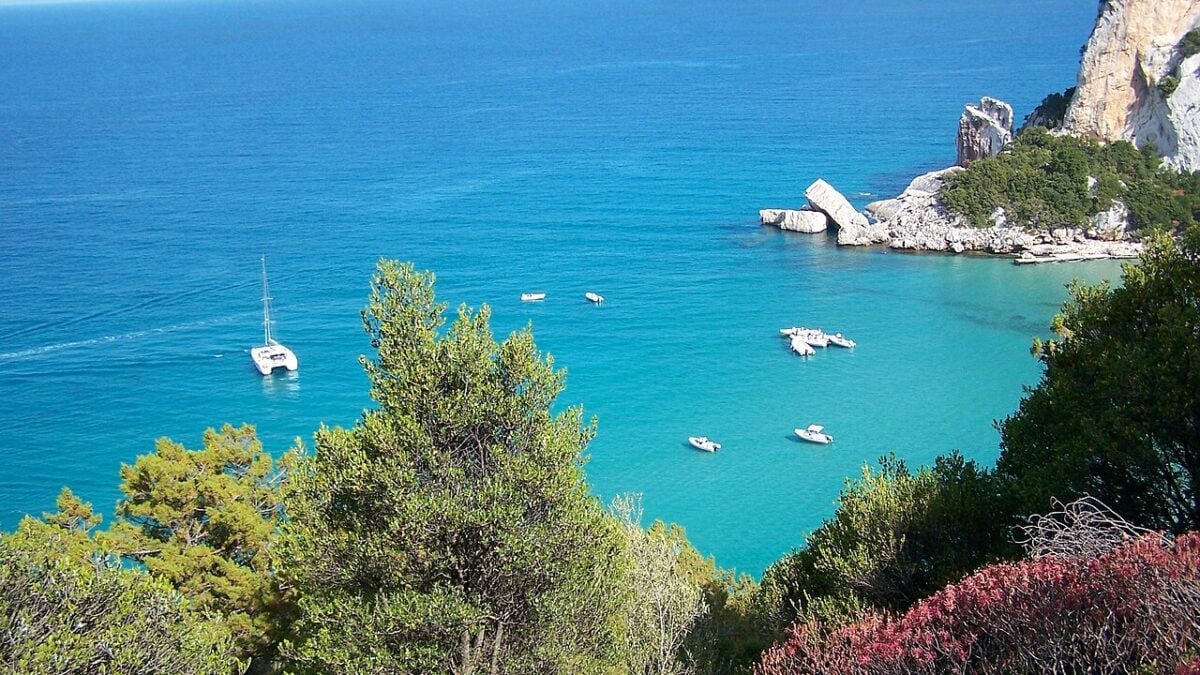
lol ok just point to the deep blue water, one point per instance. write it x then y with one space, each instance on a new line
150 152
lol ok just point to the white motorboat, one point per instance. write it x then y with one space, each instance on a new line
841 341
704 443
813 336
816 338
594 297
815 433
532 297
271 354
802 348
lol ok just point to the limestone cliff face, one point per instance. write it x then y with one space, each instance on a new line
983 130
1132 51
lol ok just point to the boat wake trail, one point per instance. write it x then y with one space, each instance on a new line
154 300
35 352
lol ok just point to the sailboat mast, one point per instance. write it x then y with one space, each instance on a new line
266 305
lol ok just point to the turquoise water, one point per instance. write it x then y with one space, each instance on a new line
149 152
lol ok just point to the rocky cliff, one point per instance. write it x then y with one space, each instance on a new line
983 130
1134 83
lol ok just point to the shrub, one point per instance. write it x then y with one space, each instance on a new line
1132 607
1043 181
1189 46
1168 85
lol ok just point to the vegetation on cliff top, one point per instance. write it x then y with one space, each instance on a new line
1051 112
1189 46
1048 181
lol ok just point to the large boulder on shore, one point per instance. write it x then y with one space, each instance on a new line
983 130
853 227
795 220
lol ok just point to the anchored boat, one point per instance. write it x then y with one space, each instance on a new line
801 348
594 297
271 354
815 433
840 340
532 297
704 443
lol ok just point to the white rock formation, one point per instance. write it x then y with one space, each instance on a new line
853 227
795 220
1130 52
983 130
917 220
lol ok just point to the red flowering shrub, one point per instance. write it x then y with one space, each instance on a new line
1130 607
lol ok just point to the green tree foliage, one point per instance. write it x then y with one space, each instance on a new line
205 520
451 530
1043 181
67 606
896 537
1189 46
1117 411
1052 110
1168 85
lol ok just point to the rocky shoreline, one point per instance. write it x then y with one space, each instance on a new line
916 220
1139 81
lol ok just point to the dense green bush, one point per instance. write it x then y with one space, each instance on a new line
1116 413
1190 44
68 606
1051 111
1043 181
896 537
1168 85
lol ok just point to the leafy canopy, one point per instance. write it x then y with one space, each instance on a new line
1043 181
1117 411
451 530
205 520
68 606
896 537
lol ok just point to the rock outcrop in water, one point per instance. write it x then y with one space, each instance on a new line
853 227
1135 84
795 220
983 130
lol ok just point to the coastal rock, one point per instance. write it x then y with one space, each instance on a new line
1133 50
918 221
853 227
795 220
1110 225
983 130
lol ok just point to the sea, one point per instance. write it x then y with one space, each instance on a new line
151 152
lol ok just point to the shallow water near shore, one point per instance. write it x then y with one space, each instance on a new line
150 152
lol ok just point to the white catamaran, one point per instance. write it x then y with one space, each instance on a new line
271 354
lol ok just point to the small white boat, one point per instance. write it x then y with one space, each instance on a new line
815 433
813 336
802 348
594 297
816 338
841 341
532 297
704 443
271 354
